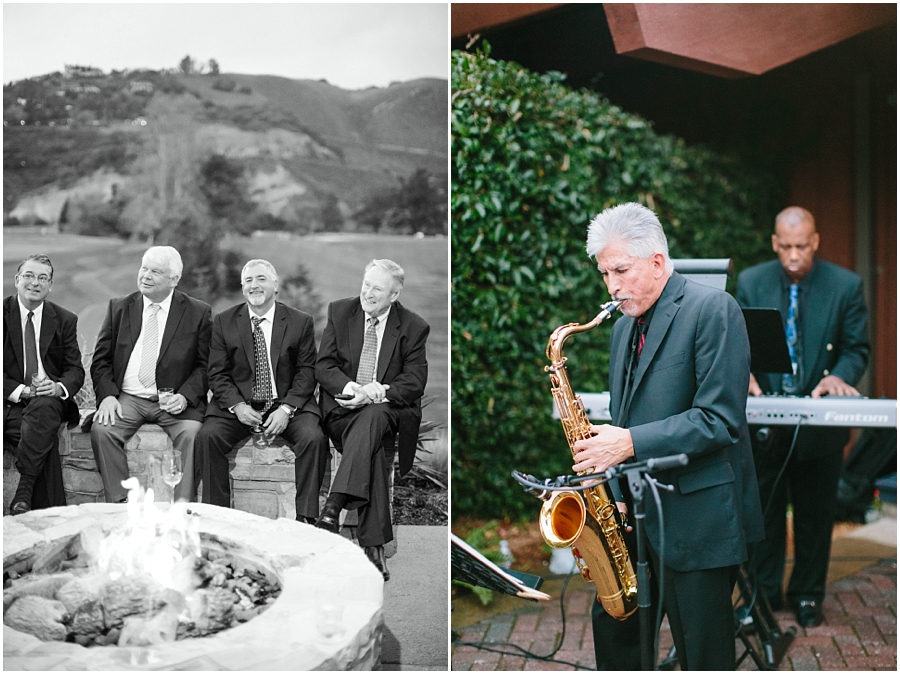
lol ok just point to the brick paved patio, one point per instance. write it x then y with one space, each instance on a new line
859 631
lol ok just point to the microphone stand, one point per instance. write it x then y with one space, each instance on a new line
636 474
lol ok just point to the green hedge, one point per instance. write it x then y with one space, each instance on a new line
533 162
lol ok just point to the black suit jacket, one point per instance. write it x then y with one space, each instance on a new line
832 328
59 351
292 357
689 395
401 363
183 352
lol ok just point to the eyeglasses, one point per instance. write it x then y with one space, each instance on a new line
28 277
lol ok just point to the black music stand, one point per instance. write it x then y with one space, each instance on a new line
768 342
470 566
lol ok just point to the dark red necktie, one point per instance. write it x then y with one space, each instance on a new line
642 331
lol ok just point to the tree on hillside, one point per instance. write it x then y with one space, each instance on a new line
417 204
213 67
187 65
223 185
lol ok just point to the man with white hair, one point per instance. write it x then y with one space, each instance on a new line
372 371
679 370
263 353
154 339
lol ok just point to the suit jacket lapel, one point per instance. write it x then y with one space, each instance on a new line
665 311
243 328
355 326
620 374
279 326
135 317
176 311
16 338
814 325
49 323
388 341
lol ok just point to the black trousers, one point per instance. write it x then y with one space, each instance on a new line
32 431
698 604
363 473
809 483
218 437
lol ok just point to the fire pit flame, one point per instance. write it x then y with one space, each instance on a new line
163 545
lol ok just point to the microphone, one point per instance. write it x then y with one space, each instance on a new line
530 485
667 462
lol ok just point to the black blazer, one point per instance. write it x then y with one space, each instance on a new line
183 352
401 363
832 327
292 356
58 350
690 395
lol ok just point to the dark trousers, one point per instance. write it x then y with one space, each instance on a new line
698 604
810 483
32 429
363 473
218 437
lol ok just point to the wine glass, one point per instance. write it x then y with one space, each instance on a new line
259 403
172 470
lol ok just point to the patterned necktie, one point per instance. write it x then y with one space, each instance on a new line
150 349
790 383
262 380
31 361
366 372
642 332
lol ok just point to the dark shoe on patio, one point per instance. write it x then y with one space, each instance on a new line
809 613
21 502
330 519
376 556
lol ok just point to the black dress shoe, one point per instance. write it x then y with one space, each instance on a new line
809 613
306 520
330 519
21 502
376 556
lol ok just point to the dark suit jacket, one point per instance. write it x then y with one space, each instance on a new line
58 350
833 335
401 364
832 327
292 357
183 353
690 395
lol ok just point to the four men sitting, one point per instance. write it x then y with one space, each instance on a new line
160 358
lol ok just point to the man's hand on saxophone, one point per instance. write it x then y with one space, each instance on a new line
609 446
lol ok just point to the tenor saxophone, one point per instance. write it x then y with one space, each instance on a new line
596 541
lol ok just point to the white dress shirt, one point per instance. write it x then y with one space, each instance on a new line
267 320
379 333
131 384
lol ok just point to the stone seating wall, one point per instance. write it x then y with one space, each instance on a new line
262 478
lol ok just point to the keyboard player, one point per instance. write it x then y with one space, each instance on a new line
824 313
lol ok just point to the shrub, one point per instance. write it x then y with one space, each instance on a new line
533 162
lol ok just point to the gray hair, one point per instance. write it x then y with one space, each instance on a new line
392 268
40 258
170 255
265 263
632 224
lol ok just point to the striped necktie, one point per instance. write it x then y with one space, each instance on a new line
366 372
150 349
31 361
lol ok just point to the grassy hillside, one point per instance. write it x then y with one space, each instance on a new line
89 271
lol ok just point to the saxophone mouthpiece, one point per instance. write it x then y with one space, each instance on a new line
610 308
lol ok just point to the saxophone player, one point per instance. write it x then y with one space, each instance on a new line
679 375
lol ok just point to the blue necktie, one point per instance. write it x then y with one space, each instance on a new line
791 381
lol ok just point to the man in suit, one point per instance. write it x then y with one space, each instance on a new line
40 339
678 368
265 350
372 370
824 312
152 339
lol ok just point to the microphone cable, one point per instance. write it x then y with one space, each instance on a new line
528 654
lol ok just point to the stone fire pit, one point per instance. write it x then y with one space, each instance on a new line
311 565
